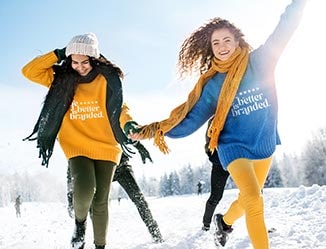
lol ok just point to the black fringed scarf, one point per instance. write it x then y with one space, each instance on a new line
59 99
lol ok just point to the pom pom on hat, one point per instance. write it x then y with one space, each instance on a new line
86 44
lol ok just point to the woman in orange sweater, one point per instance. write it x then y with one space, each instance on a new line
84 109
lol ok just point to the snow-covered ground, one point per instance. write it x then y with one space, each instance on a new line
297 214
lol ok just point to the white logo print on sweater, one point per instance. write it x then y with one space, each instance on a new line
249 101
85 110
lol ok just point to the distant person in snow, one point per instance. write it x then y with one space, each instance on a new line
219 177
236 86
199 188
84 109
124 175
18 203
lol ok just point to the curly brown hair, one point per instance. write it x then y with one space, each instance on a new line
196 53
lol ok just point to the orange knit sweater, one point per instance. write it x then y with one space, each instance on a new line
85 130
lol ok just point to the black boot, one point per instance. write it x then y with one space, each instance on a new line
99 247
222 231
78 237
205 227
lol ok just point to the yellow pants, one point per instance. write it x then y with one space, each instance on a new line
250 176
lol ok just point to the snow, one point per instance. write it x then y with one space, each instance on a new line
297 214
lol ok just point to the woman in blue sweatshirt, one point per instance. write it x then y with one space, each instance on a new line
237 86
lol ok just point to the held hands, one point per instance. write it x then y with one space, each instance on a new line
135 136
132 129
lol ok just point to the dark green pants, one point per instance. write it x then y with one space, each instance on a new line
91 183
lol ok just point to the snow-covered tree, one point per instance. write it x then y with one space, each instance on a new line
290 166
187 183
274 178
164 185
314 158
174 183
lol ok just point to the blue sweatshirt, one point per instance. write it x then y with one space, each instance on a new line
250 129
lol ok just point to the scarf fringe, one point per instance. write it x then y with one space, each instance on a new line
30 138
154 130
160 142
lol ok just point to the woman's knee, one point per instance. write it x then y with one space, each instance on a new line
253 204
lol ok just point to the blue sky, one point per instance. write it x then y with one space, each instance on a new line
143 37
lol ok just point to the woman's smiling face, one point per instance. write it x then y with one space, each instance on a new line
81 64
223 44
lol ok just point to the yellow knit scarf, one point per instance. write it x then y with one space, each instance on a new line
235 67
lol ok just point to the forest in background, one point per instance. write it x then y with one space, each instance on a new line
288 170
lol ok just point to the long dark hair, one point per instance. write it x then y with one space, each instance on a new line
65 66
60 97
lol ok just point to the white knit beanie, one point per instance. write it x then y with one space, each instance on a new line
86 44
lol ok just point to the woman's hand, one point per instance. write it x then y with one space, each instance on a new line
134 136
